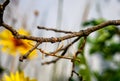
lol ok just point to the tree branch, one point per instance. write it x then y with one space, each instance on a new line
81 33
68 35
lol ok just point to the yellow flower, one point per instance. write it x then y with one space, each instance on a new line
15 46
18 76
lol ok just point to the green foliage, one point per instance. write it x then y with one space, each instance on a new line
104 42
93 22
109 75
84 68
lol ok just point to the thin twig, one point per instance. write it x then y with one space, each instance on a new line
72 71
81 48
64 52
75 56
80 77
2 8
54 54
56 30
28 53
6 3
50 53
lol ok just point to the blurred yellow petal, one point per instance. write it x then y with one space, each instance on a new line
23 32
14 46
7 78
18 76
5 35
12 76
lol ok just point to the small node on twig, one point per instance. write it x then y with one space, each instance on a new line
84 33
53 39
